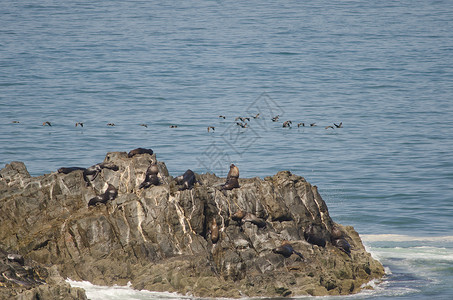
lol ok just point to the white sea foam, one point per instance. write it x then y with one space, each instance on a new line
97 292
404 238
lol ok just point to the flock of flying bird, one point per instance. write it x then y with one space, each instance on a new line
242 122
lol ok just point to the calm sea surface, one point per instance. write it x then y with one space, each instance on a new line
382 68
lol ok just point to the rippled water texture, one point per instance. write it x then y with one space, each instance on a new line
382 68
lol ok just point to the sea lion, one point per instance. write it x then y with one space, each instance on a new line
275 119
313 235
211 127
140 151
232 179
343 245
214 231
69 170
90 173
286 250
254 220
231 183
110 193
187 180
336 233
238 216
234 172
46 123
338 240
150 177
301 124
79 123
339 125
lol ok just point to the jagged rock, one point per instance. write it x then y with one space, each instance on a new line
27 280
160 238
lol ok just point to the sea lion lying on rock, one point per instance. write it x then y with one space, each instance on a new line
150 177
110 193
313 235
69 170
242 217
90 174
139 151
187 180
338 240
286 250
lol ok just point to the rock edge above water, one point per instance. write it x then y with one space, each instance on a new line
164 239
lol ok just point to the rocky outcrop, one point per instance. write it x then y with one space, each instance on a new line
202 241
24 279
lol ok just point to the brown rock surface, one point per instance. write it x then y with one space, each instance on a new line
159 238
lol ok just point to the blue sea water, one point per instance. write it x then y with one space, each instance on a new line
382 68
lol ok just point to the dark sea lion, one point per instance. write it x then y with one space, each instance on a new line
109 165
110 193
275 119
140 151
187 180
343 245
286 250
90 173
214 231
69 170
254 220
339 125
338 240
150 177
313 235
46 123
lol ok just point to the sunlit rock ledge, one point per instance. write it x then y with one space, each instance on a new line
193 241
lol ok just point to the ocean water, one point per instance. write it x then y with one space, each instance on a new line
382 68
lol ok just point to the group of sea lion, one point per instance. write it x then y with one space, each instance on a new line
312 234
90 174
